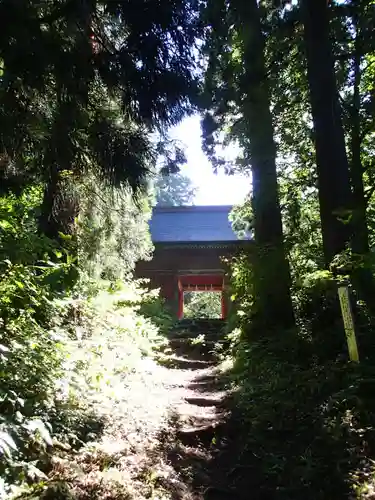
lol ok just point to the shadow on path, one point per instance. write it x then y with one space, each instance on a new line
198 427
298 439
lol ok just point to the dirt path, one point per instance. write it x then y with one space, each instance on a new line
197 415
161 431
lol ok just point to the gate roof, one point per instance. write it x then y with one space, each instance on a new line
192 224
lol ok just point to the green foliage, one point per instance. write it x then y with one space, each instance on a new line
19 238
52 377
242 285
241 217
304 409
97 82
300 407
109 342
202 305
174 190
153 307
57 334
27 311
32 352
307 426
112 231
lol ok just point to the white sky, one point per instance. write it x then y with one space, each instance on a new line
213 189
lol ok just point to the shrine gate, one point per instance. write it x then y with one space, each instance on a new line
190 244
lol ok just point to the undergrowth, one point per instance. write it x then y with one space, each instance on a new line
304 414
57 403
70 342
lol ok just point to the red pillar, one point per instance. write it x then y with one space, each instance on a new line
180 301
223 305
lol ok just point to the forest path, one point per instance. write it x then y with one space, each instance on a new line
162 429
196 420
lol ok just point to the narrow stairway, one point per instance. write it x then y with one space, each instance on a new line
199 417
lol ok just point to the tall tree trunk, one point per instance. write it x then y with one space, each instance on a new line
362 276
60 205
273 304
331 159
360 244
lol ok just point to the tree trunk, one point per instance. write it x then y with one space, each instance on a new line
331 158
362 277
59 208
49 220
272 299
360 243
60 205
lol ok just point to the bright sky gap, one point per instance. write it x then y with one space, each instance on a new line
213 189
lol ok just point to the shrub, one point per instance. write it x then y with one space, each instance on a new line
31 355
307 426
202 305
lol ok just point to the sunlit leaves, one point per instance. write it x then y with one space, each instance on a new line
174 190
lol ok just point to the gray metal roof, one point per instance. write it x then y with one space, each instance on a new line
191 224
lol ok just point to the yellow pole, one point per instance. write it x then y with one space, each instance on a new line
347 316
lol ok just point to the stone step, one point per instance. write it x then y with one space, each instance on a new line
189 332
187 346
192 342
206 401
182 363
200 325
194 434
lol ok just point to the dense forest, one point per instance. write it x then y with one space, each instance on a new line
89 90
